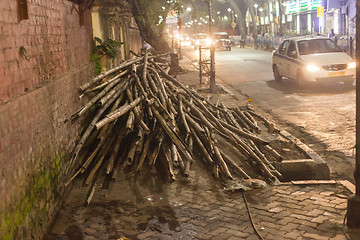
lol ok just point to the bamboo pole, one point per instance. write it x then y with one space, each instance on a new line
101 76
118 113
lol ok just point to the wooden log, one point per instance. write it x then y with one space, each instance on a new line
271 127
104 84
183 118
88 131
273 152
114 153
99 162
182 165
265 160
220 160
176 140
156 151
131 153
152 84
130 122
103 100
247 120
169 162
188 161
244 134
101 76
194 125
200 115
97 97
144 152
118 113
234 165
231 117
137 114
240 120
204 152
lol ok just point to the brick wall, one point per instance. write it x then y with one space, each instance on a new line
43 60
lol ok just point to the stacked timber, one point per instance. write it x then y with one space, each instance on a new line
139 115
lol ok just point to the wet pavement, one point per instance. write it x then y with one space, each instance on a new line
146 206
197 207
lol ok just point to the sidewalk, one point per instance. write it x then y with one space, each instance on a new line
197 207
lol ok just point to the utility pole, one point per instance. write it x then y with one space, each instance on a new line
353 208
212 50
179 23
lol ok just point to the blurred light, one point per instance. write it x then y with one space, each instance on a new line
352 65
229 9
312 68
225 18
261 9
188 9
256 5
208 42
218 12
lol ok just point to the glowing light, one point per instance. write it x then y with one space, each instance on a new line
312 68
352 65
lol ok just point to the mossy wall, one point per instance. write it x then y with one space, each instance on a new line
43 61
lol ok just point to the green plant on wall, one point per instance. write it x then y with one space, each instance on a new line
104 48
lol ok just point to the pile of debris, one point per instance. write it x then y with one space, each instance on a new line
139 115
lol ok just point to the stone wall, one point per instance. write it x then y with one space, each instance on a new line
43 60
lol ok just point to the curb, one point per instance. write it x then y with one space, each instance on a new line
313 168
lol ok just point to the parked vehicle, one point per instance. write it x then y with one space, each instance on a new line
222 41
313 59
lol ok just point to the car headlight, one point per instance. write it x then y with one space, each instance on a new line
312 68
351 65
208 42
197 42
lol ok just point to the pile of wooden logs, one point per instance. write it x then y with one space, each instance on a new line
139 115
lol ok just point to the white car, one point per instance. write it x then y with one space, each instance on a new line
316 59
201 40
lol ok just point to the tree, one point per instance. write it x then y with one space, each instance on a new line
150 16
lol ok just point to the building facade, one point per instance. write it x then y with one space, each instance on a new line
305 17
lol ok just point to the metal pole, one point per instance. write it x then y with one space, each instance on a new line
212 50
353 209
200 65
179 26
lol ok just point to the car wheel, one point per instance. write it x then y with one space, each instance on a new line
277 75
300 79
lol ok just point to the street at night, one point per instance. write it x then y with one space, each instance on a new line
179 119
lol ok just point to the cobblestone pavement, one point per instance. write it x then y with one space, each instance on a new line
197 207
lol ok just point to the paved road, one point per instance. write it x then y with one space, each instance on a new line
324 114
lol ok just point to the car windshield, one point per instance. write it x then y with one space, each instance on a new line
202 36
221 36
312 46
